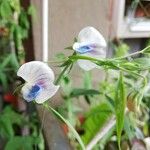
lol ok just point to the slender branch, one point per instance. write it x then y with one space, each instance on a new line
139 75
61 74
132 54
67 123
75 57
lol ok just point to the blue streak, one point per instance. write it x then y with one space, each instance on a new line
35 90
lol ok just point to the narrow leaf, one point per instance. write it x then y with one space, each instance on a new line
80 92
120 104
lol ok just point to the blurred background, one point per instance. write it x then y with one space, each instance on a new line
125 24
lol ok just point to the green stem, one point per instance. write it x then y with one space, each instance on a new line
75 57
67 123
61 74
132 54
131 72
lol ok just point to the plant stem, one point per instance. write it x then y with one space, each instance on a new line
132 54
139 75
67 123
61 74
75 57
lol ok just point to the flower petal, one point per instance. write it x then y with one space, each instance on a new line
46 93
86 65
34 71
91 35
28 93
38 93
90 43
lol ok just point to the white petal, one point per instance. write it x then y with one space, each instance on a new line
47 93
86 64
91 35
35 70
25 92
44 94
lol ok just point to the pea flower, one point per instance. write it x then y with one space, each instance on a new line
90 43
39 81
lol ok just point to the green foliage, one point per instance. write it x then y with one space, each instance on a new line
5 10
9 118
96 118
82 92
15 4
22 143
9 64
120 105
132 74
16 20
121 50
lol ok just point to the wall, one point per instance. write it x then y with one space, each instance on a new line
66 19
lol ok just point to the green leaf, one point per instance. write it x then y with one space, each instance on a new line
66 63
21 143
7 121
32 11
110 100
3 80
6 61
6 129
121 50
60 57
23 20
81 92
5 10
14 61
142 62
95 120
120 105
15 4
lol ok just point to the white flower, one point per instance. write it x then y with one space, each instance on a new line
90 43
39 81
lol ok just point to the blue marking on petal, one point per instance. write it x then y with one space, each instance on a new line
85 49
35 90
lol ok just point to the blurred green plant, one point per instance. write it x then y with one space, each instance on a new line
14 25
127 99
11 124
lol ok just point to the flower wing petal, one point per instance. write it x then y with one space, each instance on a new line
86 64
91 35
35 70
47 93
25 92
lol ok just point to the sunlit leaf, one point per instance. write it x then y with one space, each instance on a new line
5 10
15 4
95 120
